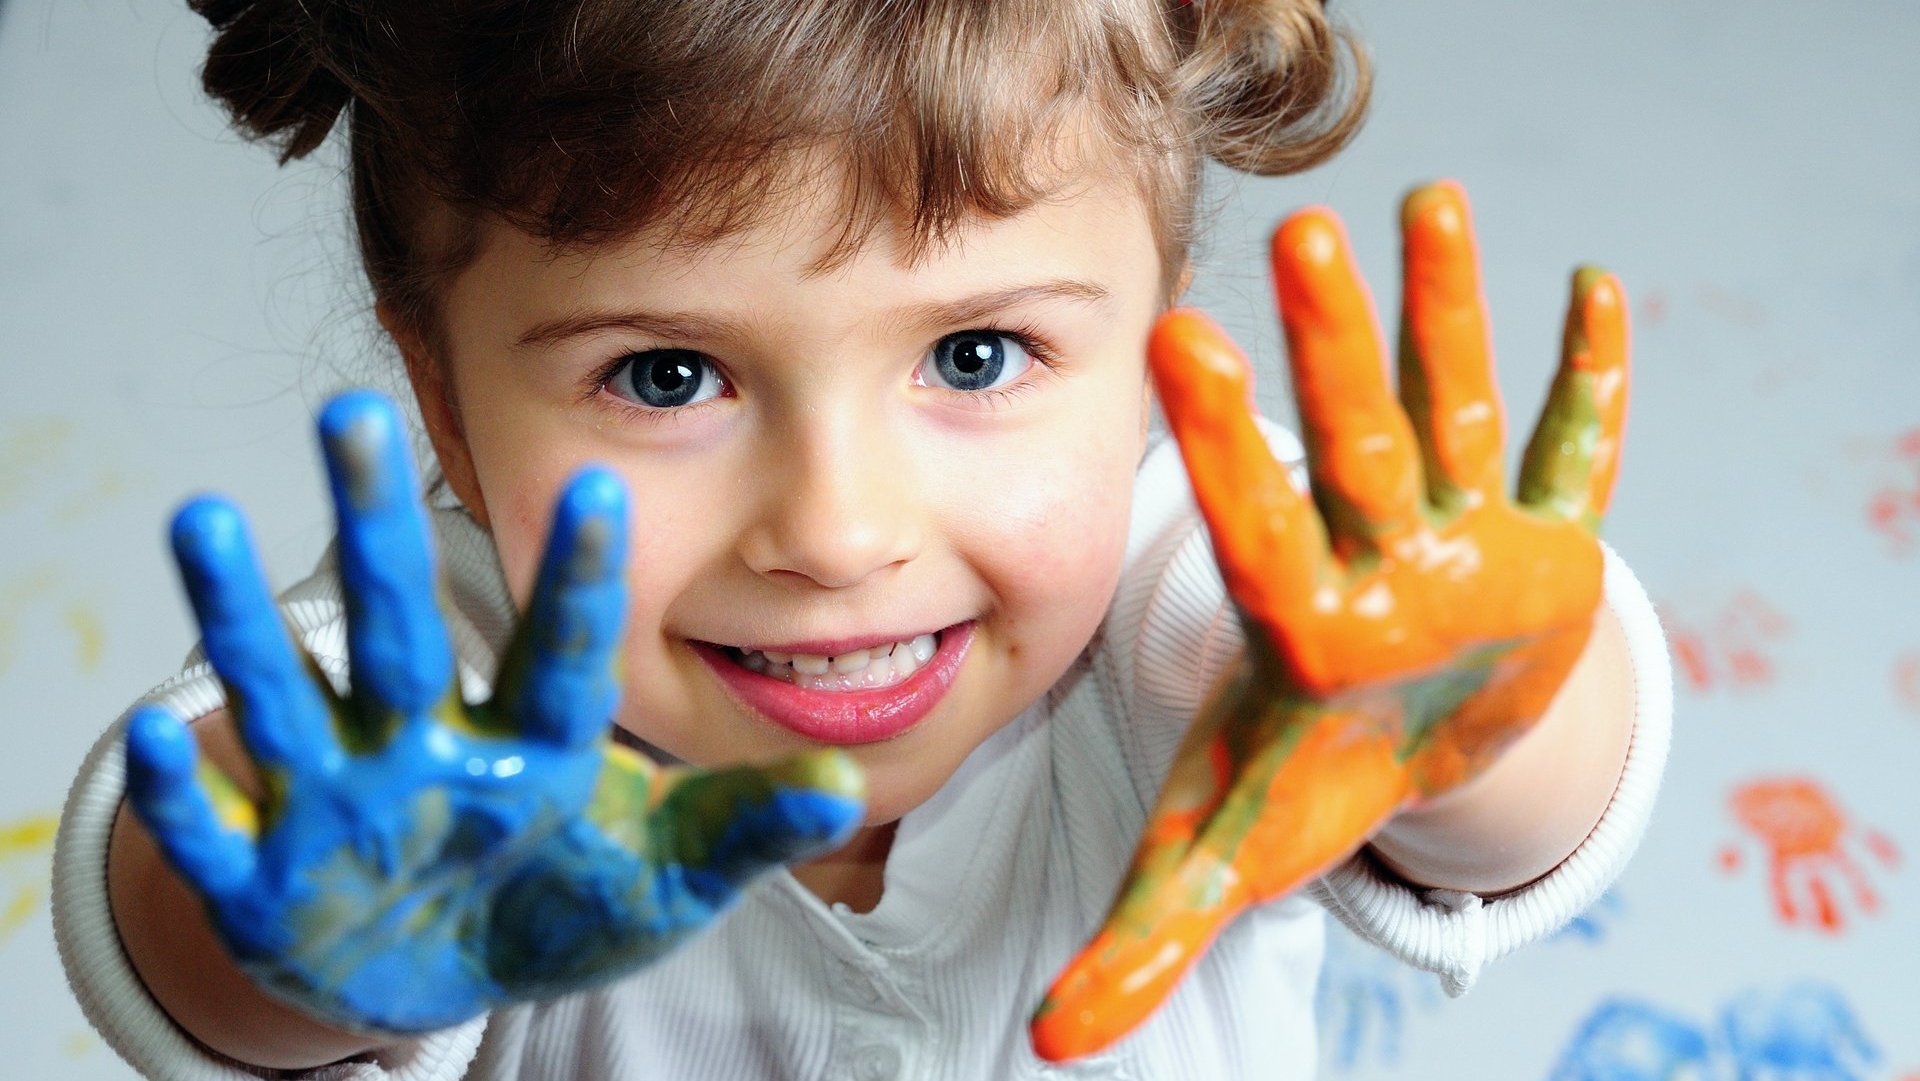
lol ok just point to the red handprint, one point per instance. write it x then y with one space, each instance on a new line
1893 511
1906 686
1734 647
1806 836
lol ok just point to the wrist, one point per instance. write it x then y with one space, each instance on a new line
1535 805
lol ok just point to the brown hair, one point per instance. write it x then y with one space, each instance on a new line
580 121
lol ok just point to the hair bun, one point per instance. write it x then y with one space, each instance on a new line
271 66
1276 87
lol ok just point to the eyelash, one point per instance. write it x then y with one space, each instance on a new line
1046 361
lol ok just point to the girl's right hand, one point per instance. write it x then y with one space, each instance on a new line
413 860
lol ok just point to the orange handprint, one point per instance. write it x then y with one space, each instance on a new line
1400 638
1805 834
1734 648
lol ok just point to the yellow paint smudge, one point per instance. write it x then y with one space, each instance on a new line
17 908
106 487
31 446
19 840
90 634
15 596
27 835
79 1043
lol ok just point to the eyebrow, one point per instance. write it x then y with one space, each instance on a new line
690 325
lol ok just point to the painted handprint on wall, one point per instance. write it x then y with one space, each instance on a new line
1596 923
1628 1040
1809 850
1893 511
1805 1033
1365 999
1732 647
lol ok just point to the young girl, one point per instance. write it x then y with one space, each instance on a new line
852 304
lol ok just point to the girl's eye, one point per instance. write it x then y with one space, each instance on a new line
665 378
975 360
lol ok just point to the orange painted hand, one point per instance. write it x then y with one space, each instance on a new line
1404 627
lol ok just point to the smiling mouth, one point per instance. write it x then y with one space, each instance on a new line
871 669
875 692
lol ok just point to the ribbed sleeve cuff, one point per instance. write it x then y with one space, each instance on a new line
1454 934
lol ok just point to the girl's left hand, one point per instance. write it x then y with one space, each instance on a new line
1403 628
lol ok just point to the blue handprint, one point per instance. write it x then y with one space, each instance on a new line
1363 1001
1805 1033
414 860
1594 924
1628 1040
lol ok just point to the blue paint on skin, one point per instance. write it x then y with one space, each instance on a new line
570 689
161 783
284 717
396 643
420 861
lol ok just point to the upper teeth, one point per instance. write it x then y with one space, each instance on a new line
875 666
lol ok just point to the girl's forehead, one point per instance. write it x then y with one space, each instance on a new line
1097 229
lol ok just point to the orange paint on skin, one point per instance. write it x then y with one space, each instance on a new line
1361 453
1443 315
1400 637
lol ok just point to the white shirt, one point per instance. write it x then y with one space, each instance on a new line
990 886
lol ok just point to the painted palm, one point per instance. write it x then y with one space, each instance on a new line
413 860
1404 625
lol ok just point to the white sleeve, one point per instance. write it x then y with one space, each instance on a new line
1172 633
110 993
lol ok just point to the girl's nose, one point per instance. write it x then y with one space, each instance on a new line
839 509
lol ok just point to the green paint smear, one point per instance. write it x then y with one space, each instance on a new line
1445 500
1558 467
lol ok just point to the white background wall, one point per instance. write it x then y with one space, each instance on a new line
172 305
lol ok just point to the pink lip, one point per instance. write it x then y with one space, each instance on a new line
846 717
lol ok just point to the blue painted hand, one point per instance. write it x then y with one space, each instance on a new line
414 860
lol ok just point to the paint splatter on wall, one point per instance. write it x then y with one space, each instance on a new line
24 846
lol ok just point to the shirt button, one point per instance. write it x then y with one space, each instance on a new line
876 1063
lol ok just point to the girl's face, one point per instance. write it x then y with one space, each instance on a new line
932 458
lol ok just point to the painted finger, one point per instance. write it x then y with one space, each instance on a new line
559 683
1574 455
397 644
279 706
1269 543
725 827
201 822
1306 793
1131 967
1173 902
1361 453
1446 362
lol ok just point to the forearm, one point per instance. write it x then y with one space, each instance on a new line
165 933
1534 806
